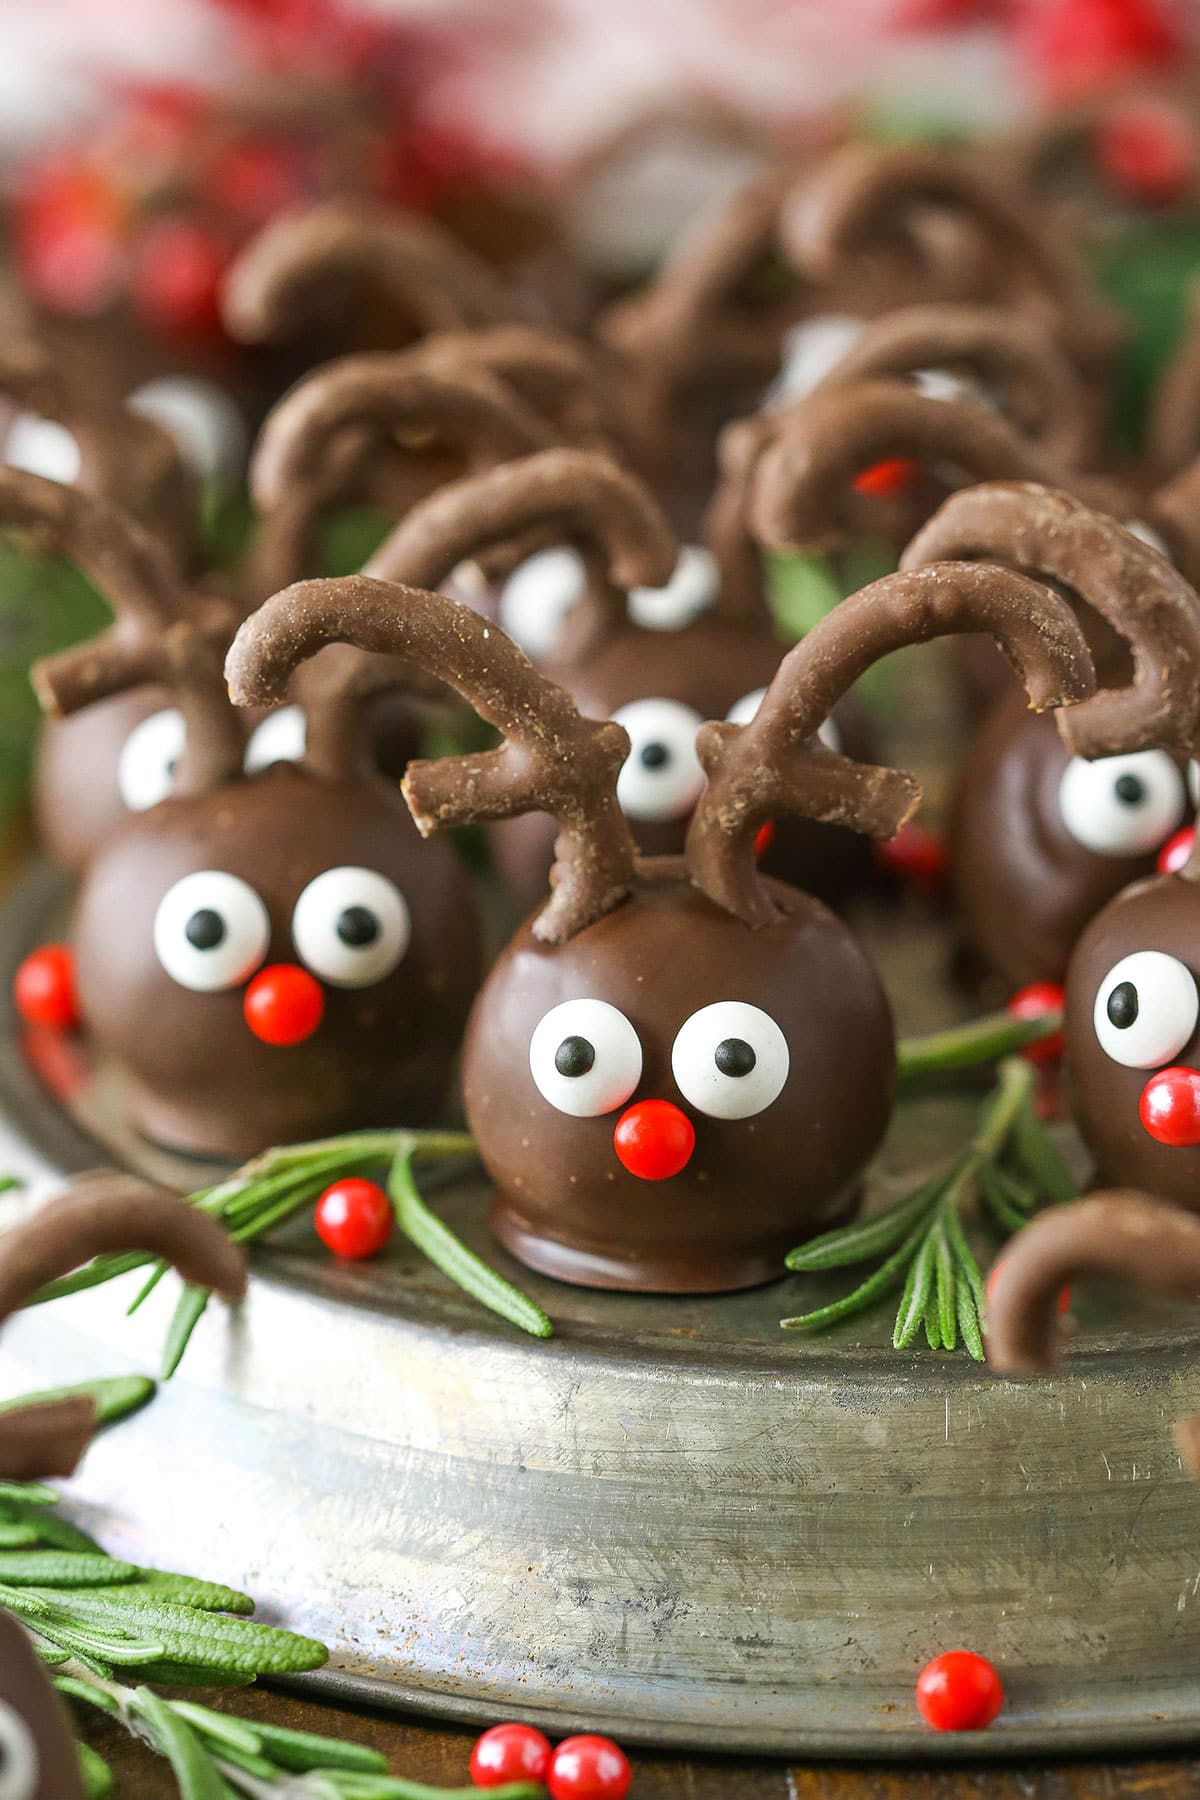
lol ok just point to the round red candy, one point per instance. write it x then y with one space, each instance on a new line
509 1753
959 1691
1035 1002
589 1768
44 989
1176 850
654 1139
1170 1107
354 1219
284 1004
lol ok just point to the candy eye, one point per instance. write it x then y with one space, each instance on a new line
585 1058
1122 805
207 426
1146 1010
940 384
730 1060
281 737
211 931
538 595
691 590
743 710
149 757
812 351
661 778
43 447
351 927
19 1767
1138 528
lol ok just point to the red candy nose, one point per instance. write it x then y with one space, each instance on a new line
284 1004
883 480
654 1139
1176 851
1170 1107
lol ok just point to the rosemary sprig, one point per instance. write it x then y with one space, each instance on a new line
280 1183
971 1046
1011 1165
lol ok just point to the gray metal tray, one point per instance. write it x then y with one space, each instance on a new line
673 1521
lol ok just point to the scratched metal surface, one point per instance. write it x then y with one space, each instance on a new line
673 1521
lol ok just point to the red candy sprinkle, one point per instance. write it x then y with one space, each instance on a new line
1170 1107
509 1753
284 1004
1034 1002
654 1139
589 1768
959 1691
44 989
884 480
1176 851
354 1219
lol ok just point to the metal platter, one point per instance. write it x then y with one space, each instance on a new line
673 1521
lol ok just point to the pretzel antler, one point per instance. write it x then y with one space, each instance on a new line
1016 357
327 432
809 454
286 273
560 377
159 635
864 189
561 495
1055 537
776 764
101 1213
1119 1233
552 760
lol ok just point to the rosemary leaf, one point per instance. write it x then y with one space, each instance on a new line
1039 1155
114 1399
1006 1215
63 1569
183 1634
94 1772
933 1320
30 1493
964 1257
88 1694
911 1311
147 1288
945 1282
970 1046
303 1750
968 1320
865 1238
194 1770
888 1275
449 1254
219 1728
189 1310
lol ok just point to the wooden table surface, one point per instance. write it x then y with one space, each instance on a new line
432 1753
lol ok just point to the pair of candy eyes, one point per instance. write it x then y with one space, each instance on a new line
151 753
20 1766
1146 1010
730 1060
206 424
541 591
350 926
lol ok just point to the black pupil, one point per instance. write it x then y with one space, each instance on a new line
1130 790
357 926
655 756
205 929
1122 1006
733 1056
172 765
574 1057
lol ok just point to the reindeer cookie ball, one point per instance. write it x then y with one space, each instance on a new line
676 1069
1043 837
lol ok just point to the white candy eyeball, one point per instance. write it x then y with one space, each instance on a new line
1193 780
538 595
745 709
692 589
1146 1010
585 1058
351 927
730 1060
940 384
1122 805
661 778
467 585
43 447
205 422
19 1762
281 737
811 351
211 931
1138 528
149 758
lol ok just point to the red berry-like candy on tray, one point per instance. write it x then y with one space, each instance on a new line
589 1768
354 1219
510 1753
959 1691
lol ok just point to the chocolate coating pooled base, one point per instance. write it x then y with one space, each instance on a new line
754 1187
197 1078
1160 914
1024 888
